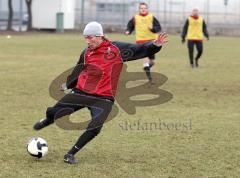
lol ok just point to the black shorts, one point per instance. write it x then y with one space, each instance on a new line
99 108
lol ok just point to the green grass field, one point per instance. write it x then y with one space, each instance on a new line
207 98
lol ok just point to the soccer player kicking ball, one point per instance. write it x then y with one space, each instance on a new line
94 80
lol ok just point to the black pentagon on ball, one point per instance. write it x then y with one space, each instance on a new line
39 145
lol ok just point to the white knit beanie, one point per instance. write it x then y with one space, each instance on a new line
94 29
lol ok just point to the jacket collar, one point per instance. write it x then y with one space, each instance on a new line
105 43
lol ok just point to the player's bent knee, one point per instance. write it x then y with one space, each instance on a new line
50 113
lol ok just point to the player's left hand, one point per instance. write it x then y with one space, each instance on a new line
63 87
161 39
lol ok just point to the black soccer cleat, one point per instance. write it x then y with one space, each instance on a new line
148 73
41 124
69 158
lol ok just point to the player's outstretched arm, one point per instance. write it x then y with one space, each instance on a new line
131 51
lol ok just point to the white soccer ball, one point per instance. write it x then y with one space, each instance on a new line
37 147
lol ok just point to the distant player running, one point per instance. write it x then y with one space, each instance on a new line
194 27
94 81
146 27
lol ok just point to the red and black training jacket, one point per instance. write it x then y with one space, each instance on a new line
97 71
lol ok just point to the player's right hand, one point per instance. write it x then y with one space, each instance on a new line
127 32
161 39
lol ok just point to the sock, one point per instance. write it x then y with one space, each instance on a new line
148 73
146 64
86 137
